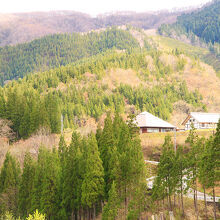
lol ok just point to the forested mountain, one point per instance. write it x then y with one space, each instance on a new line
200 27
82 89
59 50
58 83
24 27
113 71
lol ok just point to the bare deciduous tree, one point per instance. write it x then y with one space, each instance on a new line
6 130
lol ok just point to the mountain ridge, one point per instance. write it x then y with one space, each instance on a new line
23 27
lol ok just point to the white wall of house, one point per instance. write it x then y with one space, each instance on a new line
198 125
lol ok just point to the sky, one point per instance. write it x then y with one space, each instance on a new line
95 7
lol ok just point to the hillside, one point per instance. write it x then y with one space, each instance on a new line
199 28
119 73
59 50
25 27
157 78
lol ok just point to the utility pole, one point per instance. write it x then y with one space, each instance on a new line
175 140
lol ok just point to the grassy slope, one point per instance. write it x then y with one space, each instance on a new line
152 142
168 44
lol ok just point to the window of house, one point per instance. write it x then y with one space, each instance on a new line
152 130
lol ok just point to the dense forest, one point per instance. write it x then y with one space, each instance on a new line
99 173
105 173
59 50
204 23
38 100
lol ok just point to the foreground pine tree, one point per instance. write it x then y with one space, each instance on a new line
111 208
46 183
9 184
192 166
107 149
93 183
72 175
26 186
214 172
165 180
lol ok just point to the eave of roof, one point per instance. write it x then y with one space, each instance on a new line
145 119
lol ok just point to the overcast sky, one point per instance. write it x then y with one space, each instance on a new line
94 7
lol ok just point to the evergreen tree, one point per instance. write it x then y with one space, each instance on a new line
36 216
54 113
72 177
45 195
193 159
9 182
2 105
214 164
62 150
111 208
204 159
93 182
50 185
26 186
165 180
180 166
107 148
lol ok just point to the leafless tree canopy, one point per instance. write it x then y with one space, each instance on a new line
5 129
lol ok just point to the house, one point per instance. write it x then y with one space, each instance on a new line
201 120
148 123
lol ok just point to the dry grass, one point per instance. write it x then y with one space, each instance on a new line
188 207
169 60
210 190
150 62
117 76
208 84
152 142
197 75
30 145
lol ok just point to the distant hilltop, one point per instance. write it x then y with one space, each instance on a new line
18 28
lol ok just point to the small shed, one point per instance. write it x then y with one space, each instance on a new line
201 120
149 123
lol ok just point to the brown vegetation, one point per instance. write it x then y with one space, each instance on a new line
152 142
23 27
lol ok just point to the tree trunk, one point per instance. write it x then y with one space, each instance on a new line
94 212
125 202
195 201
83 214
206 216
102 205
197 211
88 214
214 204
178 198
182 198
78 215
169 197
